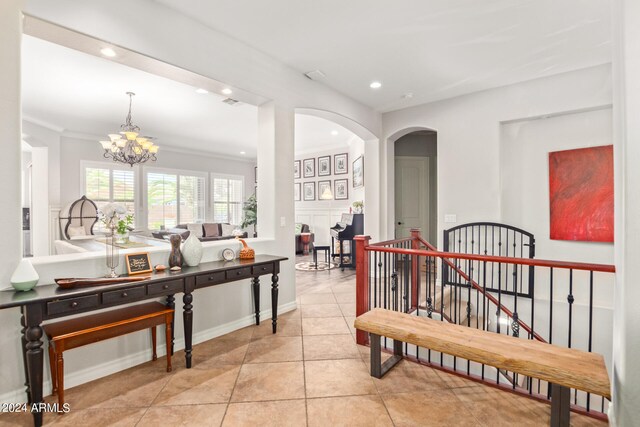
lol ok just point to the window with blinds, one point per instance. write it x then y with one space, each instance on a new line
227 195
108 184
174 198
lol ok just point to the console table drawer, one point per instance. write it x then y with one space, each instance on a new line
123 295
210 278
239 273
72 304
164 288
262 269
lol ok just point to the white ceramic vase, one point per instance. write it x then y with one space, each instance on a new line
192 250
25 277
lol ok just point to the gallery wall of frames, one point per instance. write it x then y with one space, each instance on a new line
326 183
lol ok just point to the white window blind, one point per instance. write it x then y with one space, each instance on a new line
174 198
107 184
227 195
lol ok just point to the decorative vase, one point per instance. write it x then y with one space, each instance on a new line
25 277
112 255
175 256
122 237
192 250
246 252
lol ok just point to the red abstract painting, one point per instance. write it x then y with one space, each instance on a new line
581 194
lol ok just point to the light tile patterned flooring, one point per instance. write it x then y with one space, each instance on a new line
311 373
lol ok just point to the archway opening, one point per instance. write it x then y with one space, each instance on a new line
416 184
328 189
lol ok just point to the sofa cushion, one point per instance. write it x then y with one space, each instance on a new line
76 231
227 229
211 230
196 229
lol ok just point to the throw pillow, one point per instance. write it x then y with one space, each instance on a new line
298 228
227 229
76 231
211 230
195 229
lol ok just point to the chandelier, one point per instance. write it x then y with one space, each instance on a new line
126 146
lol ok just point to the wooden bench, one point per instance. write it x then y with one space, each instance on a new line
81 331
563 368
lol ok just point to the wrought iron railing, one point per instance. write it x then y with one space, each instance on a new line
402 275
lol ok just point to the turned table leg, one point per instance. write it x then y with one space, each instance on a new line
187 315
274 302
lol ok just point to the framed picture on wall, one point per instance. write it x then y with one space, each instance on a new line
309 168
296 169
324 190
296 192
341 189
358 172
340 164
324 167
309 189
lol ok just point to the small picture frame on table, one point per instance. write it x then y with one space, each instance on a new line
138 263
309 190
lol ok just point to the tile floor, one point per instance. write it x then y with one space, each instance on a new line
311 373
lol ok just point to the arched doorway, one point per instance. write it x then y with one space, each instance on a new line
415 182
371 189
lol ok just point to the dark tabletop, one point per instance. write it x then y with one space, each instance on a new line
12 298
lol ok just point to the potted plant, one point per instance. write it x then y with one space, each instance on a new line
250 210
358 206
123 227
117 221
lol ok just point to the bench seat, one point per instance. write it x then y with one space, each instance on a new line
564 367
80 331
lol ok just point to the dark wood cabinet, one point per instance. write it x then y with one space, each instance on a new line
46 302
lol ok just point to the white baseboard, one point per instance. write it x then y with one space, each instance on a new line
111 367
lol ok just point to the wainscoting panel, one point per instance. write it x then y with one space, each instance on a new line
320 221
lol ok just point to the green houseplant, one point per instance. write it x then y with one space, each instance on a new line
250 210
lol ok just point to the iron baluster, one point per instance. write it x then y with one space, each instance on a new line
590 327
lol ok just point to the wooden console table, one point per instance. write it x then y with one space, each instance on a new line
47 302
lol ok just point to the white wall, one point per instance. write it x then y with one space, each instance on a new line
524 167
320 215
626 334
468 130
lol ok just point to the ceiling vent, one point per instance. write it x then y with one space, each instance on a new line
230 101
315 75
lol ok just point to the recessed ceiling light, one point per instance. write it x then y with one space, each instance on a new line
243 152
408 95
107 51
200 90
334 132
227 91
375 85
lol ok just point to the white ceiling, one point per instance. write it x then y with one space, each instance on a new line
434 49
70 90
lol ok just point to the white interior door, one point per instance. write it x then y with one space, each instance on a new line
411 194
